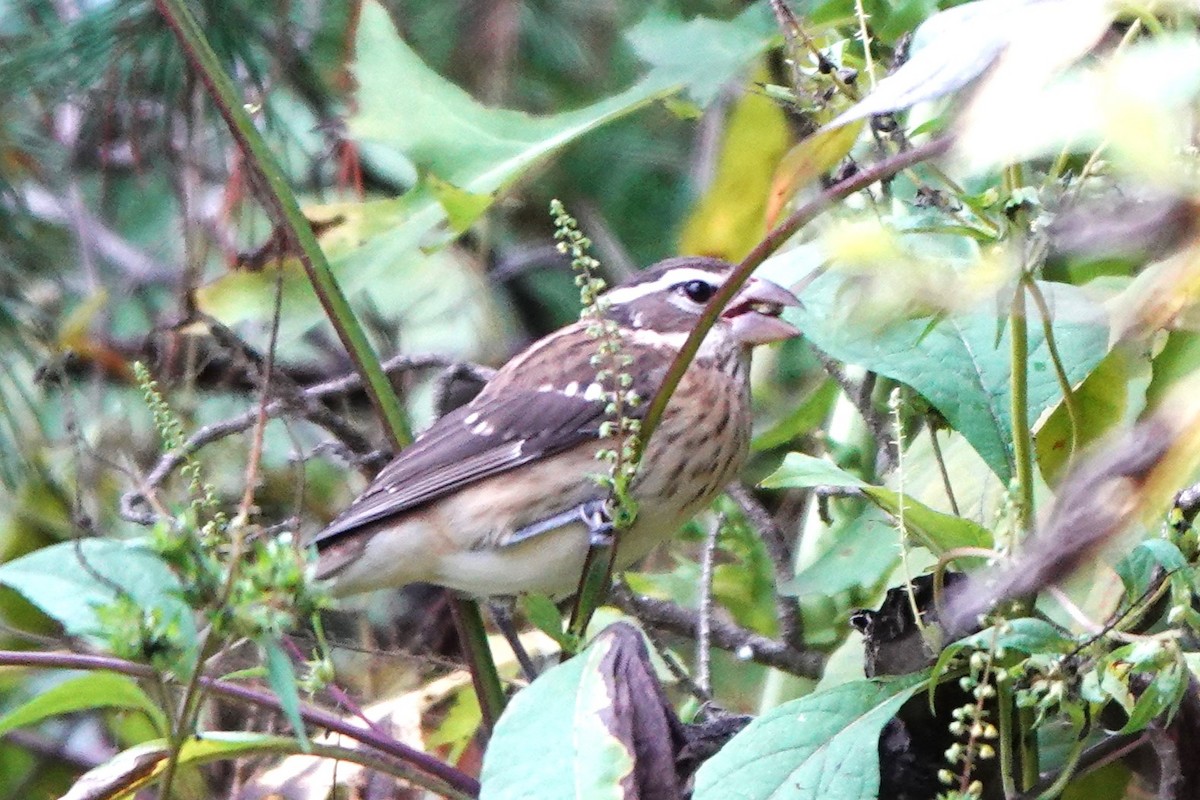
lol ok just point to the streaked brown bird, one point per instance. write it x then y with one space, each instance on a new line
494 498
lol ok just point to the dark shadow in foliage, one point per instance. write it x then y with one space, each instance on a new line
912 745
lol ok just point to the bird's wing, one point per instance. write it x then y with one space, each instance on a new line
489 436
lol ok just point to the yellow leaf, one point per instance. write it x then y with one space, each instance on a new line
808 161
73 332
729 220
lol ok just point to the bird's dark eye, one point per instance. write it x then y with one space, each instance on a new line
699 291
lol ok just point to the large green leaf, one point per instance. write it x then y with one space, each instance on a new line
96 690
551 741
821 747
936 531
405 106
699 55
1113 394
854 566
961 363
406 112
68 581
598 726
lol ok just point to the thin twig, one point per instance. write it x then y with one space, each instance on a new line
787 607
208 434
676 669
765 248
941 463
1101 754
876 422
1060 372
704 621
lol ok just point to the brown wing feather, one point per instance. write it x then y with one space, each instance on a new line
486 437
503 428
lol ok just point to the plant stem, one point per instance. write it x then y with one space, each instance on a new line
272 190
473 636
1004 703
1019 390
1023 456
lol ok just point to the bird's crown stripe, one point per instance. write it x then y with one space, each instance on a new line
672 277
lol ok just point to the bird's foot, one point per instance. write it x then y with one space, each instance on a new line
598 519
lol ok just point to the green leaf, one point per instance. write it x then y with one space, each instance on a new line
458 727
934 530
1027 635
856 563
464 152
95 690
821 747
1109 396
1161 695
543 614
68 581
282 679
806 416
802 471
957 363
552 740
446 132
731 216
700 54
462 208
1179 358
1136 570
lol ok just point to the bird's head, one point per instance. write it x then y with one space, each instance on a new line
667 299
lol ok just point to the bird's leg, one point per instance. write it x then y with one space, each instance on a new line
598 519
502 614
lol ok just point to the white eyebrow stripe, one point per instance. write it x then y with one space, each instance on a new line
674 340
671 277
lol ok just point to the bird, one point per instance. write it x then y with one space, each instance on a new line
499 497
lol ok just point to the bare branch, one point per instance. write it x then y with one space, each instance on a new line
787 608
132 502
743 643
